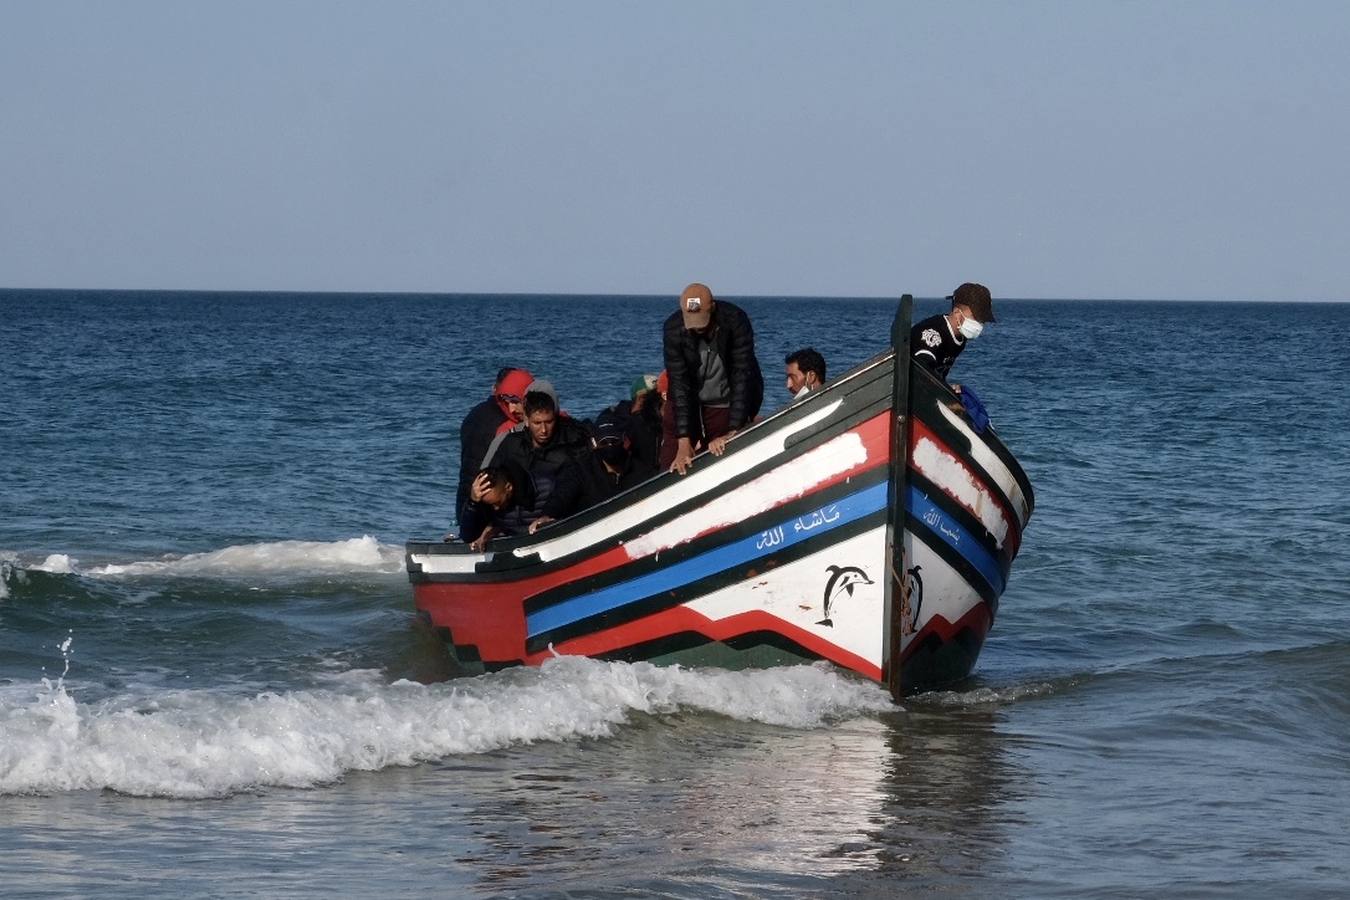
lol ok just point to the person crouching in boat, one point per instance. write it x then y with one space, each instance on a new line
641 415
614 467
936 341
496 415
716 387
495 494
551 449
504 500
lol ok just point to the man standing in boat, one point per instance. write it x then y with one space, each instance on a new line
716 387
938 340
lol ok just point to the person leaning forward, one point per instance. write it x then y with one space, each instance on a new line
936 341
715 384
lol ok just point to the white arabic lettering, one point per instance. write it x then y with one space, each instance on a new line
816 519
771 538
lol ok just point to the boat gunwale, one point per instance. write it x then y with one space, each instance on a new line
506 562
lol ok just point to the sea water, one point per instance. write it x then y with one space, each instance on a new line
212 681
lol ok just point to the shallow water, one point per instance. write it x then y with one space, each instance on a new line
211 681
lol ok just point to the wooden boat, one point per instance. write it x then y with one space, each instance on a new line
833 529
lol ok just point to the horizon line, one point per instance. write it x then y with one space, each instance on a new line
629 295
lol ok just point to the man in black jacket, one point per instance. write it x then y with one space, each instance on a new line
503 500
715 384
552 450
497 414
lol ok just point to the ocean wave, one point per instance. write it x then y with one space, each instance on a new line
194 744
993 696
299 558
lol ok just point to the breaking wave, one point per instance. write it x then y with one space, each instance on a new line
284 558
193 744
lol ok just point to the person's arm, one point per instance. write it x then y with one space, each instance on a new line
473 522
677 369
743 362
471 445
475 518
479 545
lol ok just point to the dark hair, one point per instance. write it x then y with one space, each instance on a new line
808 360
538 401
497 476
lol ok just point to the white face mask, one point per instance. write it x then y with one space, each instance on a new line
970 329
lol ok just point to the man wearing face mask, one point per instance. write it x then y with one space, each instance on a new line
938 340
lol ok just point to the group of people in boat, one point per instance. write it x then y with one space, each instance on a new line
525 462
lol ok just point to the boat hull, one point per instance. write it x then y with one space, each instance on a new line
784 550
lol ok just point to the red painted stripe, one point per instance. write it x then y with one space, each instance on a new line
977 618
499 636
682 619
920 431
876 441
491 614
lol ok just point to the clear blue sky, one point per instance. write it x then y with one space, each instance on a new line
1048 149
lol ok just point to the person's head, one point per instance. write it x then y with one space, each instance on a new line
972 307
696 306
541 415
509 392
805 369
640 388
610 440
544 386
500 490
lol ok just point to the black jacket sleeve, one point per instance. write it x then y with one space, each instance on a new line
683 393
747 385
474 517
475 434
922 354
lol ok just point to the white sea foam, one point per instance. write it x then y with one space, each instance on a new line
57 564
10 572
203 743
363 554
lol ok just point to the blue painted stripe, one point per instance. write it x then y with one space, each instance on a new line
957 537
784 534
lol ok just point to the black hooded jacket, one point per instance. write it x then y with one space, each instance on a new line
734 341
555 468
533 494
475 436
